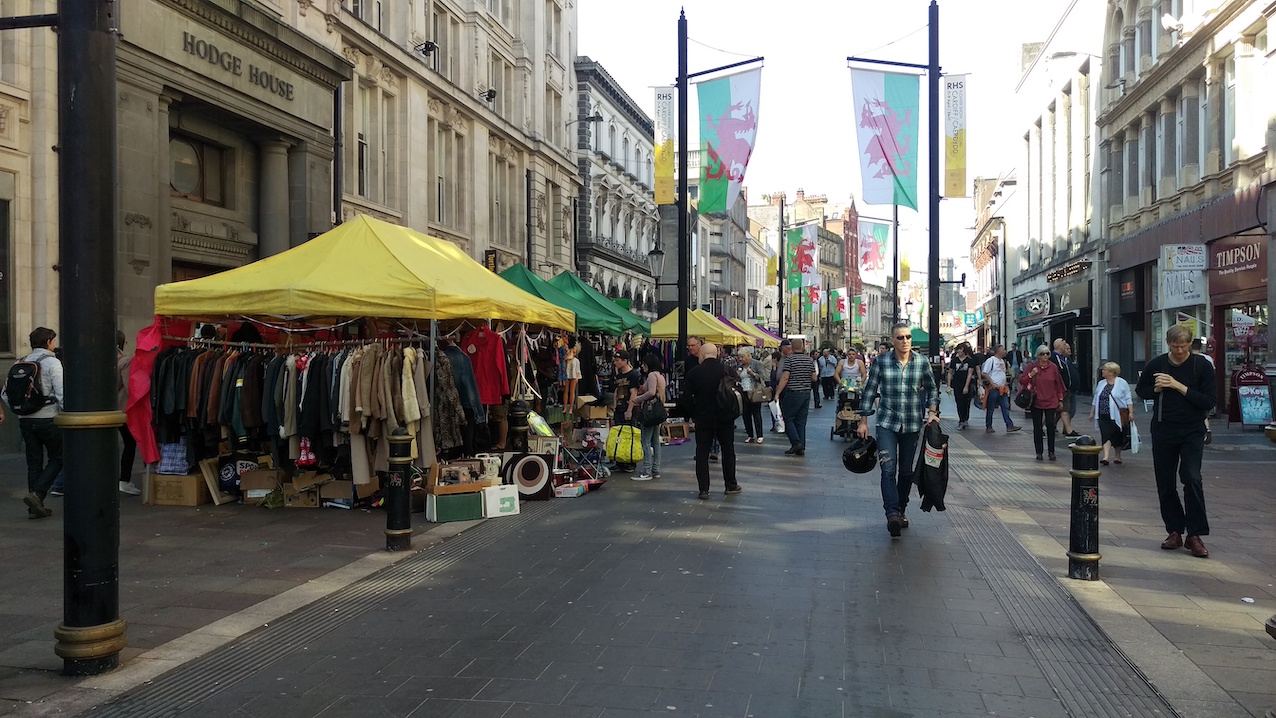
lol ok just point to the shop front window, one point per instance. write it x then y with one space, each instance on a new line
1245 339
196 170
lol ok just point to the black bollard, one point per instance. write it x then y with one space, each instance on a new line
1083 533
517 440
398 494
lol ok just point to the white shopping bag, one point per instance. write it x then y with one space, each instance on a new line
774 406
1134 439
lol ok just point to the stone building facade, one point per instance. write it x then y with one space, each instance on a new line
617 221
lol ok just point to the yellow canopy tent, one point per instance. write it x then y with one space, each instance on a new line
699 325
363 268
744 338
747 328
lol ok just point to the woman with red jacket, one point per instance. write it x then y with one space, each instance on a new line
1042 378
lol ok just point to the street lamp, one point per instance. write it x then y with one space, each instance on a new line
908 311
596 117
656 262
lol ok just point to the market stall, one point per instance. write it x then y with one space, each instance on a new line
765 340
368 331
699 324
576 287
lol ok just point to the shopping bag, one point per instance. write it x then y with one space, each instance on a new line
624 444
1134 439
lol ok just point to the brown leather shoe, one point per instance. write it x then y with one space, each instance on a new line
1197 547
1173 541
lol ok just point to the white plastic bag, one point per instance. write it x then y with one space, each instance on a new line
1134 439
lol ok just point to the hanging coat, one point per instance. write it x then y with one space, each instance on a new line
931 474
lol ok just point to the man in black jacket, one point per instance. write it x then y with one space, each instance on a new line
702 386
1183 387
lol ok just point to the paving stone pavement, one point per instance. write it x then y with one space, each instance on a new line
786 600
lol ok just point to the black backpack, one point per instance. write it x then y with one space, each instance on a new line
730 398
24 390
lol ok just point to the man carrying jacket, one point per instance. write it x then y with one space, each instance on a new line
908 398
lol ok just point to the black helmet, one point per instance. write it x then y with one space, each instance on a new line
861 455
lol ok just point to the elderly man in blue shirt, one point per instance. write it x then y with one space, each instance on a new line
904 386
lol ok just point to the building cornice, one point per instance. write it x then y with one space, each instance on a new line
592 72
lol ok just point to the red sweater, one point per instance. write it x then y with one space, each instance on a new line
1047 386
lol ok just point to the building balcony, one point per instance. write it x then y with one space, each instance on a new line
615 251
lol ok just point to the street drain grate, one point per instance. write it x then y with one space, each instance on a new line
1084 667
187 686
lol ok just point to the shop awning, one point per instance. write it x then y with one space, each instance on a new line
766 339
363 268
589 318
920 337
766 331
1048 320
576 287
699 325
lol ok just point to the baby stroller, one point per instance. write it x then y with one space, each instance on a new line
847 418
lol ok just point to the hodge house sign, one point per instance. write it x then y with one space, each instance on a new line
233 64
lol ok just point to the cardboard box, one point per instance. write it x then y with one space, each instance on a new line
189 490
453 507
295 498
259 483
337 495
585 410
441 477
500 501
571 490
310 480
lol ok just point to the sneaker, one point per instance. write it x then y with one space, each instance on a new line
735 489
1012 428
704 495
1052 456
894 525
127 487
713 457
749 440
639 477
1209 439
903 519
961 425
35 506
990 430
1039 457
56 492
758 440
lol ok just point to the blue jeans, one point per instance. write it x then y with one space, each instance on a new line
992 400
794 406
895 455
651 449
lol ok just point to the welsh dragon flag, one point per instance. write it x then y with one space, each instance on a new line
728 128
861 310
839 304
800 266
811 297
875 250
886 107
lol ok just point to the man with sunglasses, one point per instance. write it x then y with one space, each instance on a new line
904 386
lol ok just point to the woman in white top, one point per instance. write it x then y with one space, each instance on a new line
1111 410
751 375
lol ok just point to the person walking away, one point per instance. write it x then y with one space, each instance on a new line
797 376
712 424
627 382
1198 348
773 382
1043 379
1182 386
904 388
962 382
129 450
1110 409
37 400
815 385
1060 358
751 377
828 373
998 392
653 387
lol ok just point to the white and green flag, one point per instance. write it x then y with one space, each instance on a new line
874 249
839 302
886 116
728 129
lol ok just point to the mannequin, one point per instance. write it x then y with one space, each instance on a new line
573 377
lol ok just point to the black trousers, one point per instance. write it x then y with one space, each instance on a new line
752 419
1180 449
963 404
127 454
1048 417
38 437
706 431
830 384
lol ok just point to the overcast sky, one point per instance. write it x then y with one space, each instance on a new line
805 134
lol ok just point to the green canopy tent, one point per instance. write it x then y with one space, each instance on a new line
921 339
572 285
589 318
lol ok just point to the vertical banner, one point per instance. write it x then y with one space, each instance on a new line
838 301
886 107
728 129
811 297
772 269
874 249
861 310
800 263
665 151
850 252
955 136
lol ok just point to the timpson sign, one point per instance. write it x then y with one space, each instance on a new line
229 62
1236 265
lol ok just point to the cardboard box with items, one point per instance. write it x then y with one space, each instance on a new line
587 409
189 490
458 477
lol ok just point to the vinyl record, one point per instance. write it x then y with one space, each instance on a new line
531 473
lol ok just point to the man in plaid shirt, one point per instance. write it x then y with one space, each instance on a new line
904 385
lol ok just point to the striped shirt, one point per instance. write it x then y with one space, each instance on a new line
799 367
905 392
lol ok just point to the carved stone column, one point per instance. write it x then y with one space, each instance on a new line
273 209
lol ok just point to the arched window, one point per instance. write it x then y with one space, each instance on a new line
624 154
611 141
